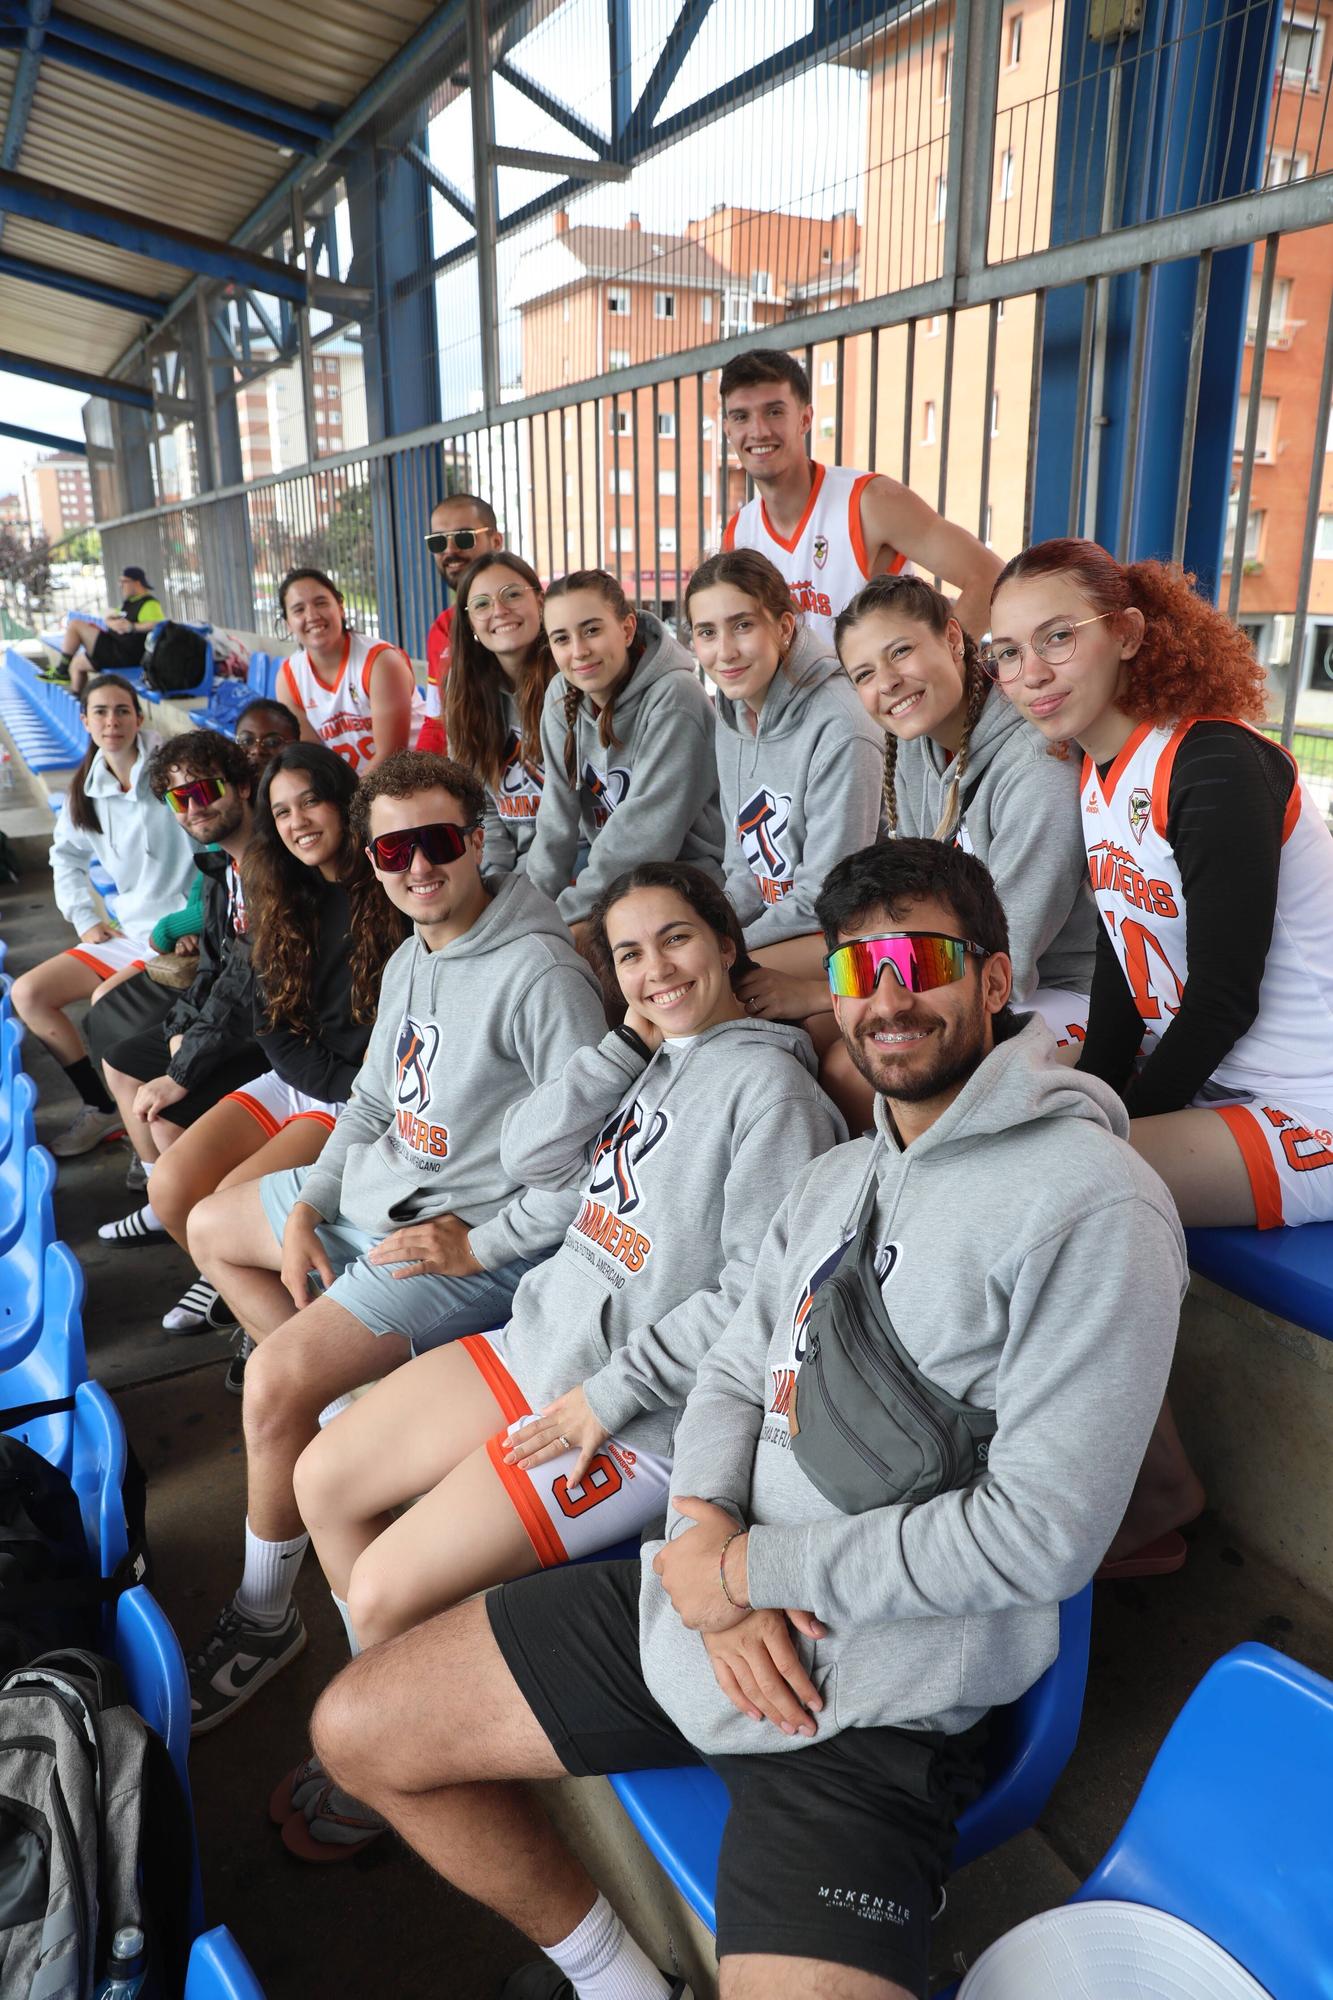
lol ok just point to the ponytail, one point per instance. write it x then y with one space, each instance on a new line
82 811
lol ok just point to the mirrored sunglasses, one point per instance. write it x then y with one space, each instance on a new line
440 842
919 960
199 792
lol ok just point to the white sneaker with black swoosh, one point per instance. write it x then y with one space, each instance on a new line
234 1661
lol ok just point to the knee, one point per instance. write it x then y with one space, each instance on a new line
278 1392
344 1732
375 1609
320 1482
26 994
205 1230
172 1194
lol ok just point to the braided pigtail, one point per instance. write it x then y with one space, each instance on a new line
573 702
976 687
890 781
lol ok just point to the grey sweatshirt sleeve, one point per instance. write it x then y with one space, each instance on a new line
675 777
1037 859
499 848
1093 1316
546 1139
842 804
72 855
554 1016
364 1118
742 889
555 836
657 1366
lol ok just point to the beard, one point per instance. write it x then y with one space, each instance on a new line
957 1053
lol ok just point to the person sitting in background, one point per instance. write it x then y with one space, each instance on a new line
627 744
359 696
551 1437
320 934
502 667
827 1624
110 814
88 648
462 528
263 727
417 1229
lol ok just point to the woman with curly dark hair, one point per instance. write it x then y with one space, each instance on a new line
498 677
320 934
1212 869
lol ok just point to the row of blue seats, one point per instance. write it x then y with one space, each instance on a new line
43 1360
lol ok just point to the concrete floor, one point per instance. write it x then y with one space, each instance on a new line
383 1924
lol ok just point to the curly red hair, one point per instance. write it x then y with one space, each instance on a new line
1193 660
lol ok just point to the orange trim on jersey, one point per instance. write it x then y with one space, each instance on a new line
263 1118
854 525
85 957
1117 770
321 1117
382 646
547 1546
729 532
1161 778
513 1403
292 689
1265 1186
1166 763
816 482
331 687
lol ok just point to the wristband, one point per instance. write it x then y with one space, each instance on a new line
633 1041
735 1536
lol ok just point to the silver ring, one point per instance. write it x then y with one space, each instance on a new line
749 1005
565 1442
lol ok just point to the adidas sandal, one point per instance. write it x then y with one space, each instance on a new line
201 1309
131 1228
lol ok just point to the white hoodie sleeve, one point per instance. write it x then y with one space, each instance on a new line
72 855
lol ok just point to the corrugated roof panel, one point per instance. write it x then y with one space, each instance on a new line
75 253
73 333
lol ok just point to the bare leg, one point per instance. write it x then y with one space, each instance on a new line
229 1237
299 1143
401 1440
80 634
1167 1493
39 996
125 1089
758 1977
193 1166
116 979
1200 1161
81 671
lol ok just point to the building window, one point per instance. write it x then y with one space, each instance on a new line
763 284
666 485
1279 312
826 427
567 312
666 424
1264 446
664 305
941 197
1300 52
1015 41
1254 532
622 482
828 373
708 486
928 423
706 309
995 413
826 255
1285 167
617 299
990 523
943 72
618 358
666 541
1323 541
622 422
933 325
1006 176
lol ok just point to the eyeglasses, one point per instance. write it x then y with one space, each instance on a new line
440 842
503 600
920 960
274 740
199 792
1054 642
463 539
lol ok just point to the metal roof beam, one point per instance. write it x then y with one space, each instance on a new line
39 201
81 287
45 438
442 185
24 87
75 378
530 162
668 65
560 113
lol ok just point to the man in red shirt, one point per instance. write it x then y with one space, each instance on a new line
462 528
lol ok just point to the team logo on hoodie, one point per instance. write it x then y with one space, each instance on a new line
613 1195
760 825
521 782
413 1059
782 1376
607 790
1140 807
821 551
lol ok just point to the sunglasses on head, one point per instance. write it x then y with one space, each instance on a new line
463 539
199 792
441 842
920 961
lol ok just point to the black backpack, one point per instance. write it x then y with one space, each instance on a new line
174 658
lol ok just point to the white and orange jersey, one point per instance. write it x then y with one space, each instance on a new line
1136 882
339 710
825 561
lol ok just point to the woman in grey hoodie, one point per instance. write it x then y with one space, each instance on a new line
493 693
627 738
550 1437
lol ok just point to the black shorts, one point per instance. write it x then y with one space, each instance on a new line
146 1055
835 1851
119 649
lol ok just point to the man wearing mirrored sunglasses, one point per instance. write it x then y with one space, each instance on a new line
462 528
827 1641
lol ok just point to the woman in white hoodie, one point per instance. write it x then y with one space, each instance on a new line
111 816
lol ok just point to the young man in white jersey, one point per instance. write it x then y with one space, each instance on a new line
829 528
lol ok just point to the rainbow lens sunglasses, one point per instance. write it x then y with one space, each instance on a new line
920 960
440 842
199 792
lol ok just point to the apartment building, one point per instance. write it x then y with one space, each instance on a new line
57 495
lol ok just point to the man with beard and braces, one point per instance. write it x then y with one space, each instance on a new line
867 1640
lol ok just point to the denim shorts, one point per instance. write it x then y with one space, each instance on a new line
427 1311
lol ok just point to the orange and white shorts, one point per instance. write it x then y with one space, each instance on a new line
113 954
1288 1156
622 1491
273 1104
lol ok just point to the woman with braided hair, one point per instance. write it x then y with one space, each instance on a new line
627 742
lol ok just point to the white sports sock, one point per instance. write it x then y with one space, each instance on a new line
150 1218
353 1643
147 1166
602 1961
270 1572
335 1409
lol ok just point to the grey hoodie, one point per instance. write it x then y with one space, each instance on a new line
1020 816
798 792
510 818
461 1034
651 797
1055 1304
680 1165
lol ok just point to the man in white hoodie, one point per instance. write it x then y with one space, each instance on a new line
866 1637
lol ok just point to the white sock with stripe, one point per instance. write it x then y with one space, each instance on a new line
602 1962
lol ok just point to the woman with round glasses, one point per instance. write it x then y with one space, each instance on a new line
359 696
501 668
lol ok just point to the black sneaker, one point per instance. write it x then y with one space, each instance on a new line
234 1379
543 1980
234 1661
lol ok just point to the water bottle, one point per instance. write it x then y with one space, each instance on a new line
124 1975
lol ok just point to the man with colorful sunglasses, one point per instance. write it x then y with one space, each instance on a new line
831 1658
462 528
416 1230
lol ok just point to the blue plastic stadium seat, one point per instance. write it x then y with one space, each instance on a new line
149 1655
22 1264
44 719
55 1367
680 1814
219 1970
98 1474
1288 1272
18 1094
1231 1831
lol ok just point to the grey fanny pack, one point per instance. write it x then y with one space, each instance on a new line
867 1427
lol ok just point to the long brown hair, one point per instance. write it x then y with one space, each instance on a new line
699 892
82 811
1193 660
605 586
750 571
912 597
283 901
475 686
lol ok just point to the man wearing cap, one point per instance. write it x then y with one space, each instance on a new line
88 649
462 528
